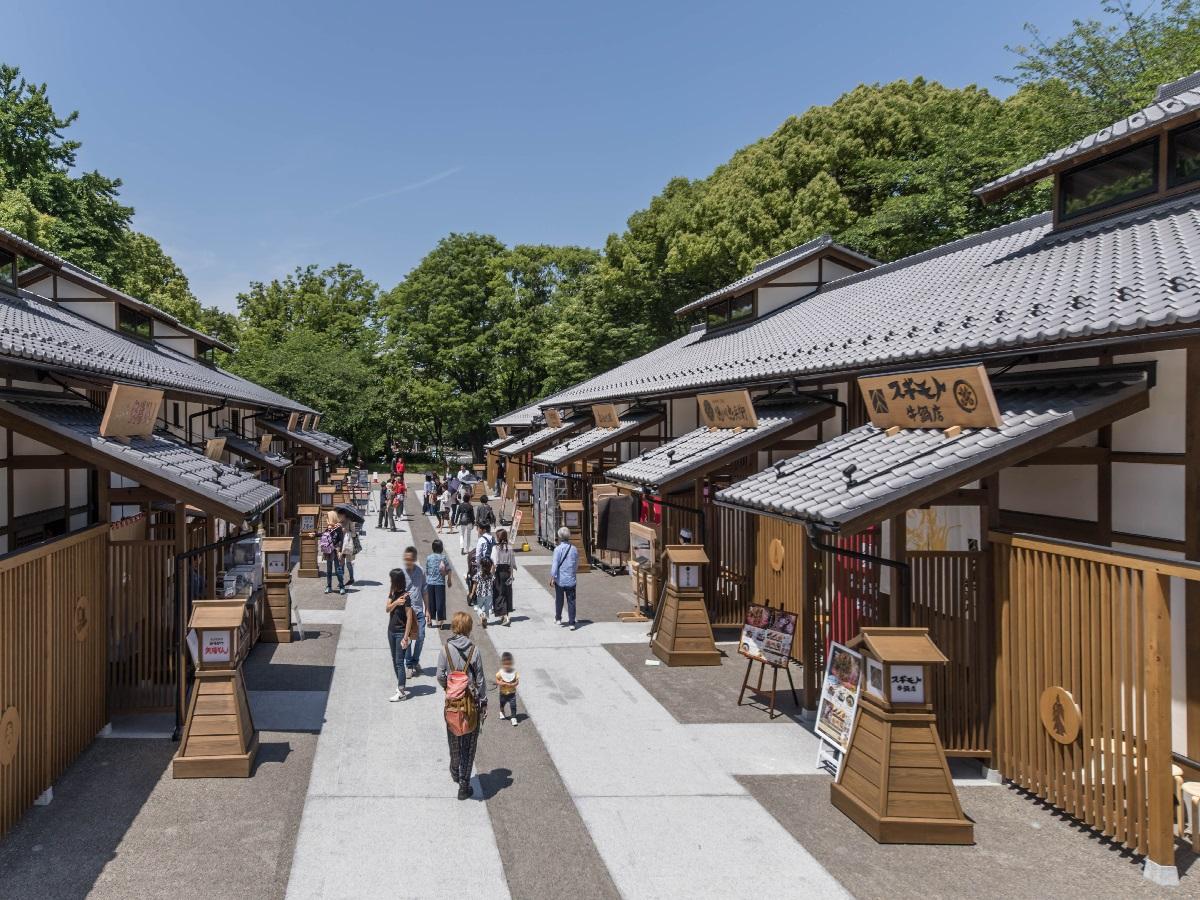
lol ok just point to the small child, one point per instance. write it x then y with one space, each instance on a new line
483 591
507 680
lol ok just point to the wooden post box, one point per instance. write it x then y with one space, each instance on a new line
277 587
684 635
571 516
219 740
310 521
895 783
524 493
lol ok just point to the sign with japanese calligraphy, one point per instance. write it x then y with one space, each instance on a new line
937 398
727 409
605 415
214 448
131 411
553 418
907 684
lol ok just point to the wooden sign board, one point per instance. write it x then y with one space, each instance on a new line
605 415
214 448
501 432
264 444
293 421
131 411
727 409
935 398
553 418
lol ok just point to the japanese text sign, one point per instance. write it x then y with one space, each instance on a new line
938 398
605 415
131 411
727 409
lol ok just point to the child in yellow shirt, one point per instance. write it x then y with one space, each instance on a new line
507 681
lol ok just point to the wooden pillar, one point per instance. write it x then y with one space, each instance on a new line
1192 551
1156 590
210 558
808 620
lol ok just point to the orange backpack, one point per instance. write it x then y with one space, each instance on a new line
462 709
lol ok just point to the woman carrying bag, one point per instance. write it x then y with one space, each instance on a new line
506 572
402 628
460 673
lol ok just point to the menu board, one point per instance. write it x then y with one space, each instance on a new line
839 695
767 635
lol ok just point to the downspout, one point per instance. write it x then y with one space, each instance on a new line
203 412
903 570
821 398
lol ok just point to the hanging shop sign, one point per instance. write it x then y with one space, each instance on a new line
935 398
727 409
214 448
1060 714
767 635
264 444
839 696
553 418
605 415
131 411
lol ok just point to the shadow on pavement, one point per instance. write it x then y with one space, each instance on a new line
494 782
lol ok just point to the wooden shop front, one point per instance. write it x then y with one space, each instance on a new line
519 453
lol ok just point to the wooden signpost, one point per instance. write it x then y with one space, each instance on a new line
605 415
524 491
277 587
308 514
727 409
131 411
767 636
572 520
684 635
936 398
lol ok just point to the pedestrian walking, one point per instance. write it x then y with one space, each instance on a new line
501 474
564 568
460 673
415 577
428 495
466 524
383 501
446 499
505 562
350 546
437 579
507 680
330 545
402 628
483 590
484 514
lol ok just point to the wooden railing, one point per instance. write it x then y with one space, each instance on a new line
1096 623
52 661
141 626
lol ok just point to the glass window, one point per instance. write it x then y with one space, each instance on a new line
1184 153
718 314
1109 181
133 322
206 353
8 269
741 308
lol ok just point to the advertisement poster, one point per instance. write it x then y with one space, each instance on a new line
767 635
839 695
215 646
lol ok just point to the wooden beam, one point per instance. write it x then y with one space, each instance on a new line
1145 458
1191 531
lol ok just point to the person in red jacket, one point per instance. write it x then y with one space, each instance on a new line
400 466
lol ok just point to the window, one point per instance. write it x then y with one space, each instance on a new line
175 415
1183 152
206 353
8 269
1109 181
133 322
730 312
235 421
717 314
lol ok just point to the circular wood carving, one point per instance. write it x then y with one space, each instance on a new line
1060 714
82 617
10 735
775 554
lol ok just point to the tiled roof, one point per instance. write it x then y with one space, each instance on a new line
543 437
322 443
519 418
247 449
227 491
1184 98
43 333
819 485
771 268
1018 287
29 250
700 449
497 443
597 439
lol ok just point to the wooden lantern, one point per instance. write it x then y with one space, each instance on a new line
571 517
524 494
219 740
684 636
310 521
895 783
325 495
277 586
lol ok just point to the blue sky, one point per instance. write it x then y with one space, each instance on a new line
253 137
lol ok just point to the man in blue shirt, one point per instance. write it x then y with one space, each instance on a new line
414 577
563 570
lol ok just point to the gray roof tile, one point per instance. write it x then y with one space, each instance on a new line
319 441
247 449
543 437
581 445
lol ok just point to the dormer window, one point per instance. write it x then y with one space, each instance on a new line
134 323
8 270
206 353
730 312
1110 181
1183 156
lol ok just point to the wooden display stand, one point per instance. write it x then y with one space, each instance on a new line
524 491
683 636
572 520
895 783
277 587
219 740
309 515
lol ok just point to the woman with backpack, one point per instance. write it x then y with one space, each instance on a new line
350 546
460 673
437 579
402 629
330 545
506 571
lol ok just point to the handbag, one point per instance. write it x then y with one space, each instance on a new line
462 710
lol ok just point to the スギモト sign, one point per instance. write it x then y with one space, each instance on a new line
936 398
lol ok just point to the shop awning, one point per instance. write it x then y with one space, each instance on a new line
248 450
161 462
544 437
866 476
595 440
704 450
317 441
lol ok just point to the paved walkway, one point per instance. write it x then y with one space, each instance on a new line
658 800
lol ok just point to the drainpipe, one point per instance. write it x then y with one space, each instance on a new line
203 412
821 398
903 570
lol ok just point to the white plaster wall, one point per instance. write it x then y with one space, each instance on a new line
184 345
79 485
162 329
3 496
682 417
1050 490
1148 499
78 521
772 298
120 481
43 287
27 446
833 270
102 313
1161 428
807 272
35 490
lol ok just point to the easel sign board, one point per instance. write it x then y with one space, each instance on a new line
840 693
767 635
605 415
516 522
131 411
553 418
935 398
727 409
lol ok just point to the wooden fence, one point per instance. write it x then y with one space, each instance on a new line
142 626
730 542
1095 623
52 662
